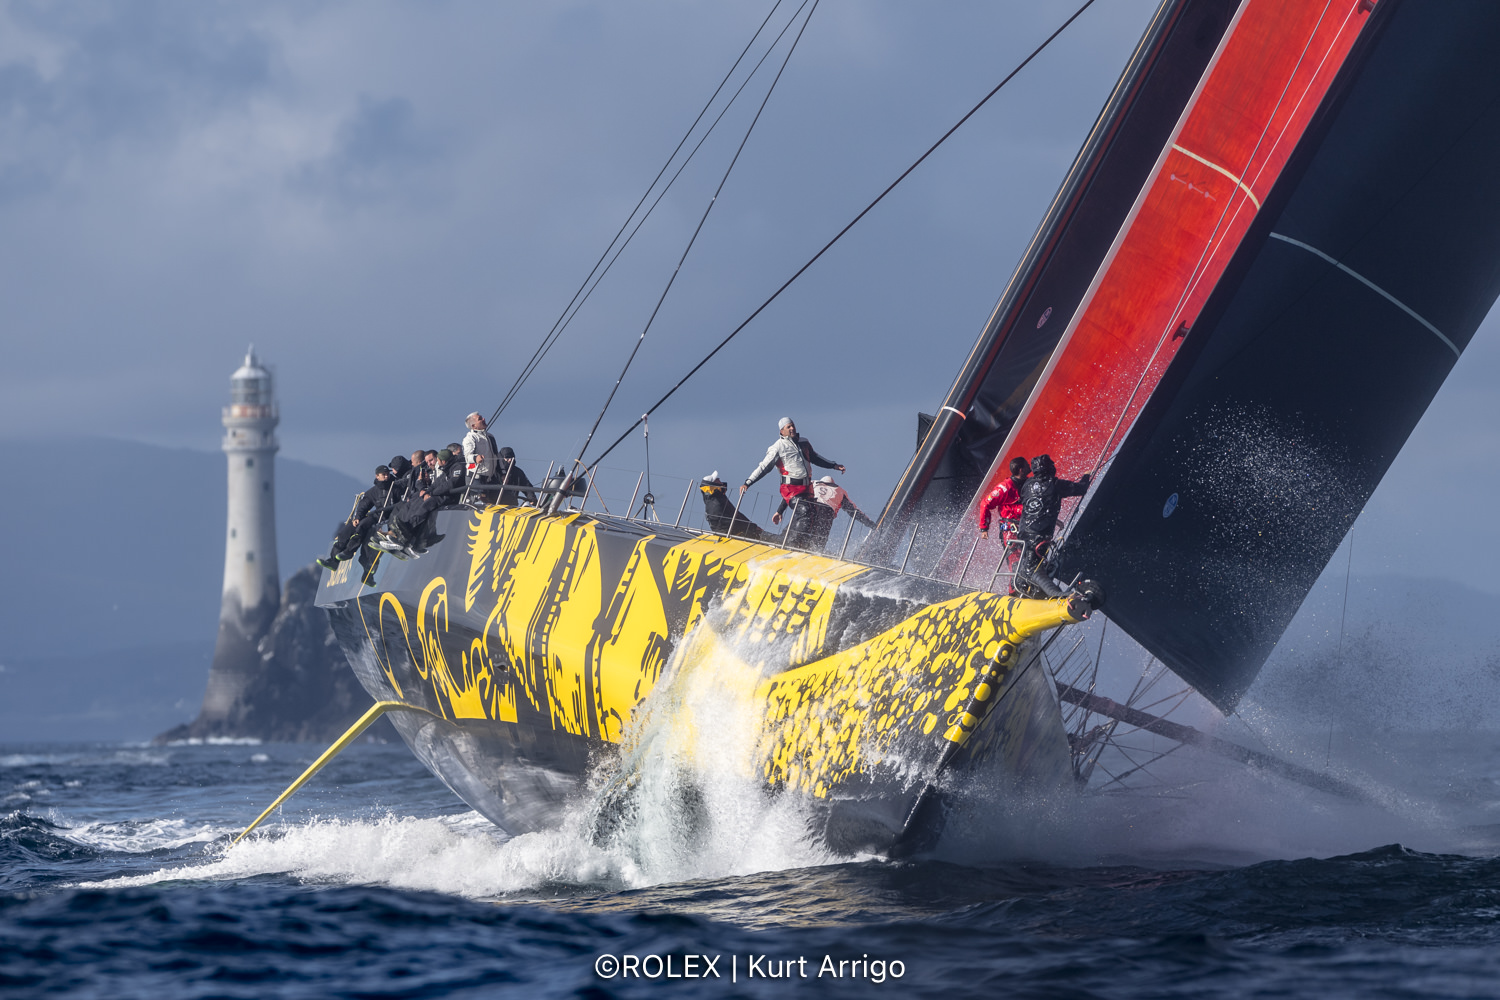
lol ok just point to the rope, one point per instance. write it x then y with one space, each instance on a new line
565 318
863 212
704 218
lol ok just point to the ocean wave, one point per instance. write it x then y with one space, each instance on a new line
216 741
142 836
463 856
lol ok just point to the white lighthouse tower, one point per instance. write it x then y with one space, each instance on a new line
250 576
252 583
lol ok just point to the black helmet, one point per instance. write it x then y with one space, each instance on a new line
1042 466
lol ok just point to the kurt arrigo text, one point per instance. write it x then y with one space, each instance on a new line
630 966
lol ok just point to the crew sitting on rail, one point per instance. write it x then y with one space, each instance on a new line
721 515
412 526
479 449
350 536
420 477
793 455
1041 502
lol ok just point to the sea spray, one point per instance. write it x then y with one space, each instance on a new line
686 798
683 799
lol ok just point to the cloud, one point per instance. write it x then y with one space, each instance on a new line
78 81
379 152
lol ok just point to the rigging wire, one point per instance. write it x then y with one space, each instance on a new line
1343 614
855 221
687 249
564 318
549 343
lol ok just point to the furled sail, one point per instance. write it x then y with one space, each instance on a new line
1364 274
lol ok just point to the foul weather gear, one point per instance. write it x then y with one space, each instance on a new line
1004 499
720 512
793 457
1041 502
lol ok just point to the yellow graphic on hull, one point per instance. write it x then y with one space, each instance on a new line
580 623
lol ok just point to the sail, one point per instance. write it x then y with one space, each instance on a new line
1272 71
1092 204
1364 275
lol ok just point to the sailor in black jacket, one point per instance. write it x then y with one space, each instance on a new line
1041 502
517 486
720 513
351 534
1042 496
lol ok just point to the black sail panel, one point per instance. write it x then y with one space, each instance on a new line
1346 307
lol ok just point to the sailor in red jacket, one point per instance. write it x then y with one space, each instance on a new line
1006 496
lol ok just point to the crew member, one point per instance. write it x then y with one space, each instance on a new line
828 498
479 449
351 534
421 476
413 519
1041 502
1005 499
721 515
793 455
517 486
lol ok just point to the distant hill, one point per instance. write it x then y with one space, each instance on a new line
109 601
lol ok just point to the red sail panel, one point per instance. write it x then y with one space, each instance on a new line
1256 98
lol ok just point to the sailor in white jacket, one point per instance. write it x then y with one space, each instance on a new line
479 449
794 456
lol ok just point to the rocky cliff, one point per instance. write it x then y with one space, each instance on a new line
296 684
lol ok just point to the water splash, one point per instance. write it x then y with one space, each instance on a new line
681 801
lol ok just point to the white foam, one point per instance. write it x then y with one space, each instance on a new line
681 803
29 759
467 857
216 741
140 836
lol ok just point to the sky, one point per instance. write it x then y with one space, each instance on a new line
394 202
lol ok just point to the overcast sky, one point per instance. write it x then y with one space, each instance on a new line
395 201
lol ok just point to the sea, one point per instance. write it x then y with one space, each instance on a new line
119 878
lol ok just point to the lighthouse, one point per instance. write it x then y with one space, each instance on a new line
250 577
252 583
278 672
